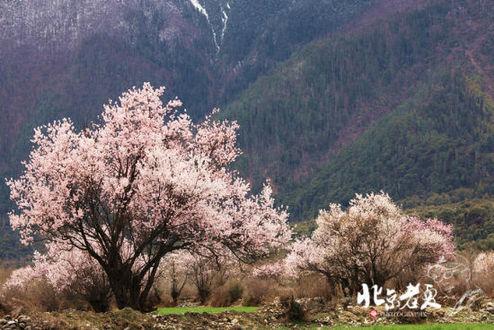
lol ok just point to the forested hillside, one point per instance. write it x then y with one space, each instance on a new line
403 106
66 59
438 141
61 59
333 97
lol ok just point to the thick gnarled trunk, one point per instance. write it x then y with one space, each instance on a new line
131 289
127 290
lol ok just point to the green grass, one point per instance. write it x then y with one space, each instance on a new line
204 309
431 326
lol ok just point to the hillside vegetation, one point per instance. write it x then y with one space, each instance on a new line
473 221
401 106
65 59
438 141
333 97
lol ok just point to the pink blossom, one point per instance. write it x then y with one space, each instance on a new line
273 270
62 266
147 180
371 241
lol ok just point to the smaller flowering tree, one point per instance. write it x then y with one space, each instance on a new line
177 270
370 242
67 270
209 267
483 270
274 270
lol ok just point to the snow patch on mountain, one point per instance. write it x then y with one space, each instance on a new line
224 19
200 8
197 5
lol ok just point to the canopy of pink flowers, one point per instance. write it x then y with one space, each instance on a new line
149 166
372 233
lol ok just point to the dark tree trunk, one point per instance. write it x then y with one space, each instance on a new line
99 298
175 292
100 305
126 289
131 293
203 293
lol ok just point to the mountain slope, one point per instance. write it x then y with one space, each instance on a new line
333 97
305 125
438 141
70 57
264 33
65 58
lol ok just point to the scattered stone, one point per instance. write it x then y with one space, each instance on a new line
271 316
315 305
489 307
471 299
22 322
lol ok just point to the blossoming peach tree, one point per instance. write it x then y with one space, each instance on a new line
372 242
144 182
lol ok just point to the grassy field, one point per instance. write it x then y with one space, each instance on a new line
204 309
425 327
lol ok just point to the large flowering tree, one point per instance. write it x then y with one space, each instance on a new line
143 183
371 242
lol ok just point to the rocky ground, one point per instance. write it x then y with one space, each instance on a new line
271 316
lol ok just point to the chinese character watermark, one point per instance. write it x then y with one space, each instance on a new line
411 299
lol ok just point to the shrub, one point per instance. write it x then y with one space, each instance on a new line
312 286
258 291
4 275
227 294
235 291
255 293
68 271
36 295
